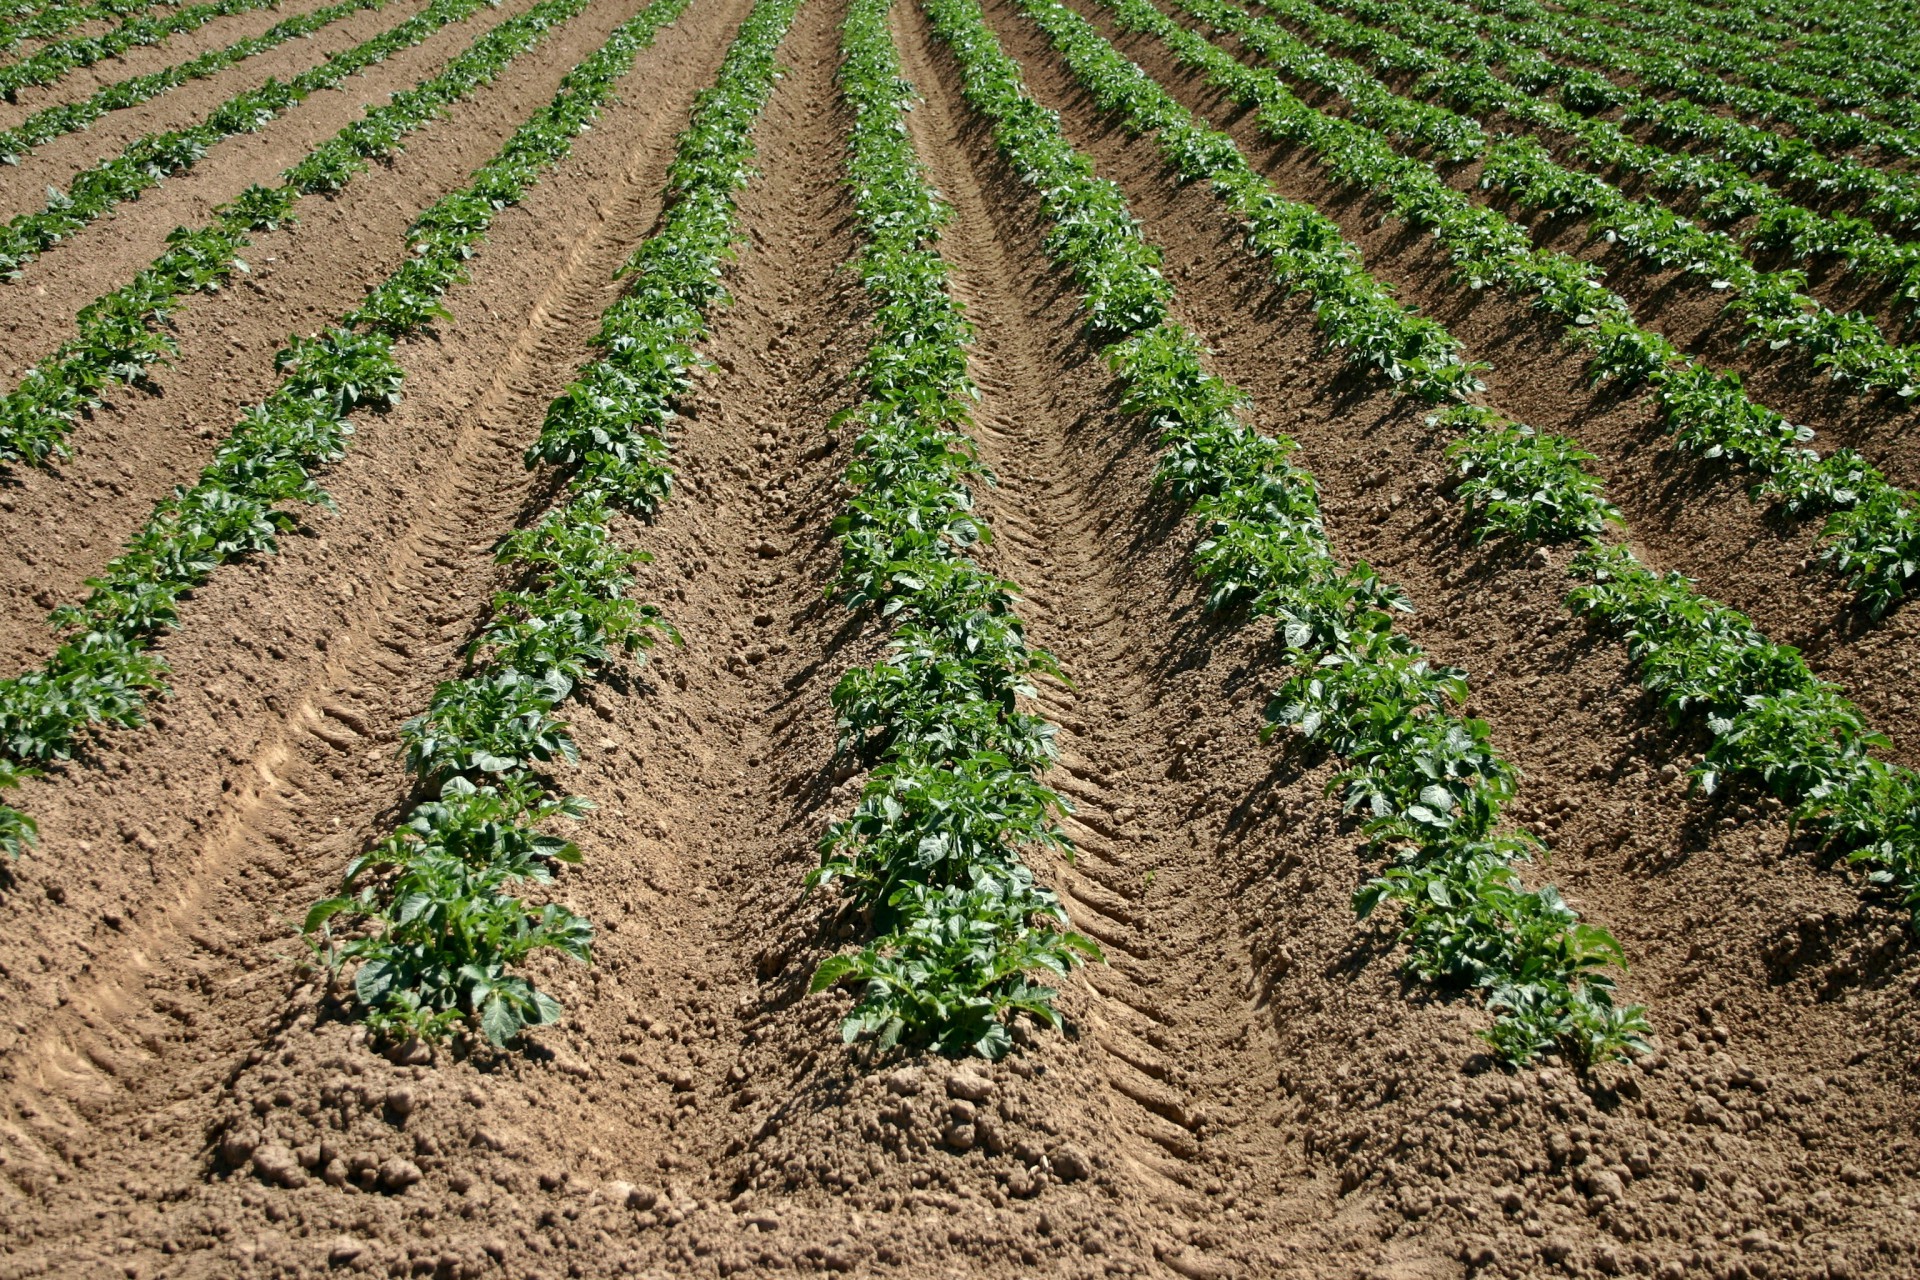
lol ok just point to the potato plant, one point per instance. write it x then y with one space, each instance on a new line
1766 718
52 63
1708 410
1853 54
104 673
26 20
148 160
1799 158
1831 115
932 853
122 334
433 925
1516 484
55 121
1428 782
1774 305
1454 66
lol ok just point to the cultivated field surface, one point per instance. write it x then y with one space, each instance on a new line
960 638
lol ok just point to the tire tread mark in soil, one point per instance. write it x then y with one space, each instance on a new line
1160 997
1017 427
1720 913
131 453
424 582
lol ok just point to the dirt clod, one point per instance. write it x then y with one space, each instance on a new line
1070 1163
276 1164
969 1085
397 1174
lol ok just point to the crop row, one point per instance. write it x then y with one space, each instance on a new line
104 673
48 123
437 927
932 851
29 21
120 335
1454 68
1666 62
1768 719
1874 527
49 65
1871 59
1772 304
1428 780
149 160
1837 77
1789 161
479 750
1890 196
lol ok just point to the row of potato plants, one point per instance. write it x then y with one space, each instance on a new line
1871 60
1854 69
1453 64
932 853
437 926
104 672
1813 155
1757 87
1873 527
122 334
49 65
1888 195
1837 78
26 20
1427 779
62 118
1769 720
150 159
1773 305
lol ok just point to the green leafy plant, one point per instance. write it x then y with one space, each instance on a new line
434 923
1522 485
103 673
1769 720
51 63
48 123
932 853
121 334
1711 412
1428 781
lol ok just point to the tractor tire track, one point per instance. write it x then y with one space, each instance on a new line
145 949
1735 936
71 518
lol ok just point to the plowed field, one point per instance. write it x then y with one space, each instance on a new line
1697 1056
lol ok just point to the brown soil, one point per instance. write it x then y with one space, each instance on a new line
83 83
1695 891
1685 514
57 163
1692 314
136 61
102 255
1247 1087
131 453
